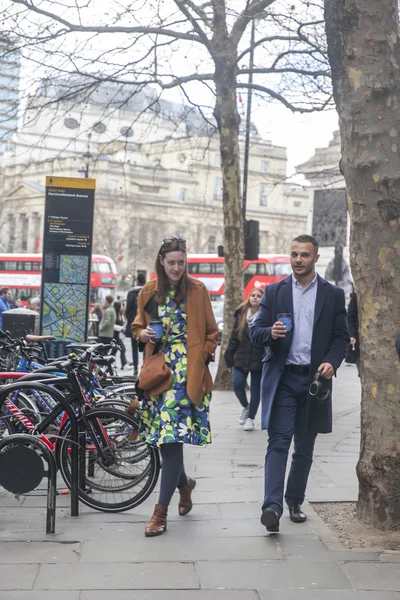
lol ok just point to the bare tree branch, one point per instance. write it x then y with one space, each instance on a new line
252 10
201 34
284 101
264 40
111 29
299 71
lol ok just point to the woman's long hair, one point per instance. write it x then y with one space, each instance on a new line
244 308
117 308
172 244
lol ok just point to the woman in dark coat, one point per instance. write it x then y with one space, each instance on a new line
118 329
246 358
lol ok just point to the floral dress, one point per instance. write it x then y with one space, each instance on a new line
171 417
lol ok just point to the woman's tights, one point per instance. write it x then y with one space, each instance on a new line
173 471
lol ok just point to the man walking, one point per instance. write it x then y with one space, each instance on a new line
131 310
5 296
107 323
312 337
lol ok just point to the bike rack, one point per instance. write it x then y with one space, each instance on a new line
6 390
21 470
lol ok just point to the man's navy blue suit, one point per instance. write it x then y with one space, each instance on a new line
287 408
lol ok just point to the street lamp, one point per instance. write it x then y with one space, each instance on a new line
85 168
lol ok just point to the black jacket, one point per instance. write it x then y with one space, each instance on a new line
131 308
352 316
243 354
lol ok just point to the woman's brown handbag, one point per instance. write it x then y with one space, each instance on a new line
155 376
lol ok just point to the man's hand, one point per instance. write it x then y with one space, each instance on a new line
278 330
326 370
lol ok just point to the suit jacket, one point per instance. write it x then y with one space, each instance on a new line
330 341
202 334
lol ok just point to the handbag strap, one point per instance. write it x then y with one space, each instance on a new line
168 326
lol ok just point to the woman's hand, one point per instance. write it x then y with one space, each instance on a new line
147 335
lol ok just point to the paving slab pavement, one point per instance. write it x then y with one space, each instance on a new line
219 551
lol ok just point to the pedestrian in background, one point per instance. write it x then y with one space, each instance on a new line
107 323
245 357
181 414
5 294
97 311
131 311
302 321
119 335
34 304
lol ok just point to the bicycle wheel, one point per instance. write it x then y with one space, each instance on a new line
120 448
115 480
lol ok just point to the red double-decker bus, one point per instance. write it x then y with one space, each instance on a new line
22 273
210 269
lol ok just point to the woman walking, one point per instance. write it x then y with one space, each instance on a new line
180 415
246 358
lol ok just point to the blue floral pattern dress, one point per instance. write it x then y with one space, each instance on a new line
171 417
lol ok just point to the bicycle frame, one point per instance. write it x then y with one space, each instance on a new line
77 394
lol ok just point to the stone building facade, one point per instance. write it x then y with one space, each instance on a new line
156 174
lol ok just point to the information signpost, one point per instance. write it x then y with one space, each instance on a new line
67 250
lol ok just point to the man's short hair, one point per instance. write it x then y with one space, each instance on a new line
307 239
110 299
141 279
4 290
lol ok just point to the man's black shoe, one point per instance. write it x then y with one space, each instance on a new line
270 520
296 514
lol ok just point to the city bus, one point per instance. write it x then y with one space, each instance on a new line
22 273
210 269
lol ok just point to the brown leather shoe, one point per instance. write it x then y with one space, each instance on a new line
185 497
158 522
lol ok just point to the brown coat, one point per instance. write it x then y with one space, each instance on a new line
202 335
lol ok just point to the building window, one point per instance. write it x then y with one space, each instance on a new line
182 194
218 188
99 127
211 244
126 131
113 185
263 194
217 160
264 165
71 123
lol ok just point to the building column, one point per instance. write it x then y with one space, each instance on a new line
39 233
19 224
31 222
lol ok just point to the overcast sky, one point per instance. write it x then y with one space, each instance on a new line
301 134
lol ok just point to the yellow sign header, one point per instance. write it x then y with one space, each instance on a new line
71 182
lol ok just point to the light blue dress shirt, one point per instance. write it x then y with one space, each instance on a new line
303 319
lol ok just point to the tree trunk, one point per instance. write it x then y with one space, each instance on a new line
227 118
364 55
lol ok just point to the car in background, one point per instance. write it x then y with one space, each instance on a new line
218 310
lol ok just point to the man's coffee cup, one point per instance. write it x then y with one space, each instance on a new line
286 319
